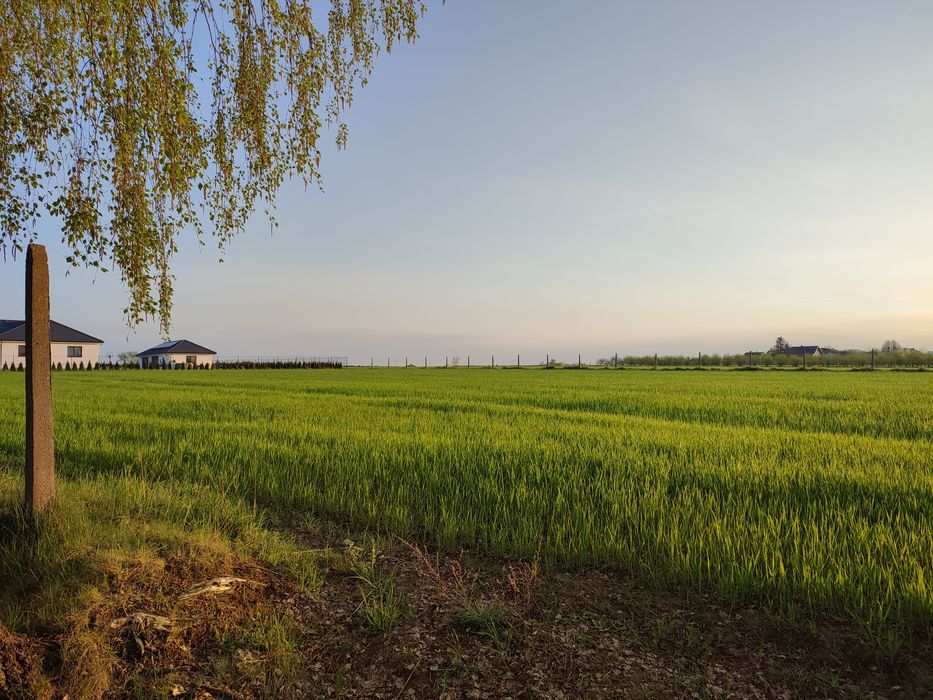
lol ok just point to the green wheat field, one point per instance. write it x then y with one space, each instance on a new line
811 493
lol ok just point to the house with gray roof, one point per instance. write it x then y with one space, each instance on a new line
808 350
176 352
69 345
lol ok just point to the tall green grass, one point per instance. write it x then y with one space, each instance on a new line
810 491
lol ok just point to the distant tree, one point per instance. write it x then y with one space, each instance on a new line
127 358
890 346
780 345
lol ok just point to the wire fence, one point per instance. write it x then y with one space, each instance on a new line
852 359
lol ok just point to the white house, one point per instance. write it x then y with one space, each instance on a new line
176 352
68 345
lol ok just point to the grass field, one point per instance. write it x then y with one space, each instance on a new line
809 492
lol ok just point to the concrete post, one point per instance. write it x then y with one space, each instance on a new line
40 446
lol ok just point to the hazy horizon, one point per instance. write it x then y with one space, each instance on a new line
605 177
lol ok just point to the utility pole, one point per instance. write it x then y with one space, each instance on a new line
40 445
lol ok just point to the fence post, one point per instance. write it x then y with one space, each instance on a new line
655 360
699 359
579 363
547 360
518 360
40 451
372 362
445 361
493 360
872 358
468 362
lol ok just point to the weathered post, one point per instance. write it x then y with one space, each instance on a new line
518 360
493 360
872 358
468 362
40 447
547 360
579 363
655 360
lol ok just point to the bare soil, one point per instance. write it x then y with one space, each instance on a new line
404 621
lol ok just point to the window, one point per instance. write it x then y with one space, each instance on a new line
22 351
191 360
74 350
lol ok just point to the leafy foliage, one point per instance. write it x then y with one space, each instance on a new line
103 122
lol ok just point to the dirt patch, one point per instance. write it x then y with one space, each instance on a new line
20 667
396 620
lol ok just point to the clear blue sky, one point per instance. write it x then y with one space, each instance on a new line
590 177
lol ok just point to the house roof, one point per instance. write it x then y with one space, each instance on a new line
803 349
60 333
179 346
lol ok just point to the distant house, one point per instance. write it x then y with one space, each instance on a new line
809 350
176 352
68 345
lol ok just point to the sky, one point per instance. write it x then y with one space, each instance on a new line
586 177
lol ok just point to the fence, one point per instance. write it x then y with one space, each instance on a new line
905 359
